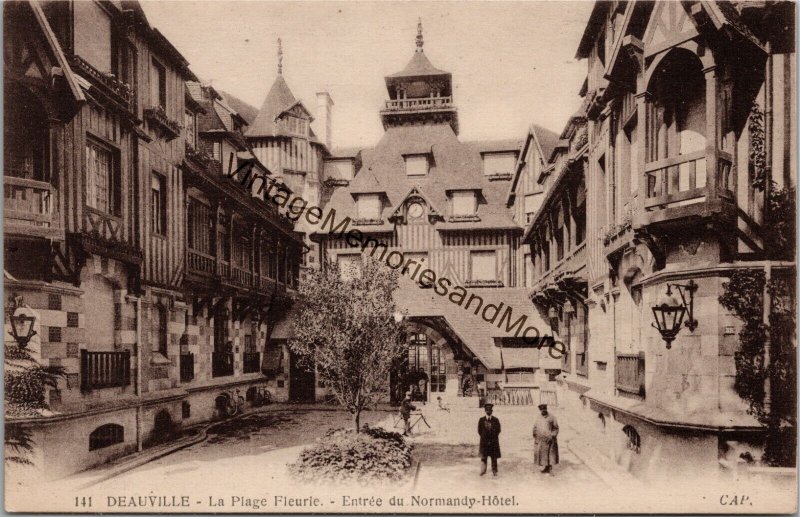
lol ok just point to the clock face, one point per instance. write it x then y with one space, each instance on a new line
415 210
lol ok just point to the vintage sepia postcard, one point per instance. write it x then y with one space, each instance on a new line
400 257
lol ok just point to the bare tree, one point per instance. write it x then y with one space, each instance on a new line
350 329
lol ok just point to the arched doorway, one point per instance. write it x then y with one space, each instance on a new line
425 367
163 428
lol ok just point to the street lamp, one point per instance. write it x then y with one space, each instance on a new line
670 313
21 324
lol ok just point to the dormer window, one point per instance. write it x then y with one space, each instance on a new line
499 164
464 203
297 125
369 206
417 164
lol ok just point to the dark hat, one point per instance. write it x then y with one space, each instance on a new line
488 405
542 406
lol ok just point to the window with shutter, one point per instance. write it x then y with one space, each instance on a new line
464 203
369 206
483 265
417 165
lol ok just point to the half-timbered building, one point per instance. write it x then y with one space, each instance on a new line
688 108
424 197
151 274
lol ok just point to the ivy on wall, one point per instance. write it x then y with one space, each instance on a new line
758 149
744 296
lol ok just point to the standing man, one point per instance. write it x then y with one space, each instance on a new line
406 407
489 431
545 441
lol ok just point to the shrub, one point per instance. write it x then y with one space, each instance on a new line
343 454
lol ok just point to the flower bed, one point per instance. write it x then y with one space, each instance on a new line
344 455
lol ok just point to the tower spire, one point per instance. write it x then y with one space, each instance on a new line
420 41
280 57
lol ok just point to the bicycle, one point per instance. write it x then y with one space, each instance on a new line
262 396
233 404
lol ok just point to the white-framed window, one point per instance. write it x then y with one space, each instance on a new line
464 203
100 178
349 266
499 163
417 164
190 122
483 265
369 206
158 204
158 84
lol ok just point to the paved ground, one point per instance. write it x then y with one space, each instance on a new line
247 458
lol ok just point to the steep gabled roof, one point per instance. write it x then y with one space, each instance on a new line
454 165
279 99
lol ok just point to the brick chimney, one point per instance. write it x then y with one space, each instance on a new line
323 118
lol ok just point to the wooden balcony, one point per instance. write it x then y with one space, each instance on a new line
425 103
200 263
105 369
252 362
629 374
683 186
187 367
221 364
570 267
29 208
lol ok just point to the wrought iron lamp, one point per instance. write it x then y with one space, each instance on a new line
669 315
21 324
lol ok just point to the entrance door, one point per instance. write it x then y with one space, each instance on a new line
418 366
301 381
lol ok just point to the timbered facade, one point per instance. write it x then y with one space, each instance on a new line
674 95
154 278
423 197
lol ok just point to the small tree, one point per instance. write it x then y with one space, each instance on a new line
25 384
347 329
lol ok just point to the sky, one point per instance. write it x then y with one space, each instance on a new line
513 63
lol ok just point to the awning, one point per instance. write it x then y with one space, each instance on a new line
283 329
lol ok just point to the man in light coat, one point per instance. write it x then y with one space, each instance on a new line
545 441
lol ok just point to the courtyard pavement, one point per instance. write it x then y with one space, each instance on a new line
242 464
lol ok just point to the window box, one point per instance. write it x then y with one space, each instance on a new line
157 116
113 89
500 176
367 221
464 218
483 283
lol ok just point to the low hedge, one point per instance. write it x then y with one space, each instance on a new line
344 455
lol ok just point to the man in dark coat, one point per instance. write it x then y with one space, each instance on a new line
545 441
489 431
406 407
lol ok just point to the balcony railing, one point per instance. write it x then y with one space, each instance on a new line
187 367
199 262
252 362
221 364
425 103
105 369
629 374
676 181
241 276
574 260
28 203
509 397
